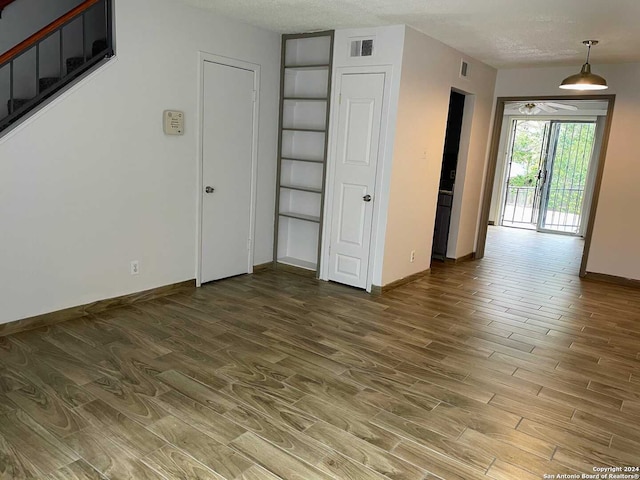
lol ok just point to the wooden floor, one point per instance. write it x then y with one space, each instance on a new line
508 368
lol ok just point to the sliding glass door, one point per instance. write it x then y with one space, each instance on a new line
565 176
547 175
523 183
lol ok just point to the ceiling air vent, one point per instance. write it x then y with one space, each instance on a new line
464 69
362 48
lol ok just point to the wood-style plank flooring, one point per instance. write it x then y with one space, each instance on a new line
506 368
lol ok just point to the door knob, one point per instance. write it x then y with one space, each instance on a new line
367 198
209 189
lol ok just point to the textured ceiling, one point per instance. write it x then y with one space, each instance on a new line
502 33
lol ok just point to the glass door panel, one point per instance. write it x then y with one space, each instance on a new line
564 176
529 139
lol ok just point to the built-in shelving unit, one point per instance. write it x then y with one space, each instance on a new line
305 89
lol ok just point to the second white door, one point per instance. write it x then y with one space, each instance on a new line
356 161
227 149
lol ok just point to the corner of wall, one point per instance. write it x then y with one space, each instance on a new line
430 70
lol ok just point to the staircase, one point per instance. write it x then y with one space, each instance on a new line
41 66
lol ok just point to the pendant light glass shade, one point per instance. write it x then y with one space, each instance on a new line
585 80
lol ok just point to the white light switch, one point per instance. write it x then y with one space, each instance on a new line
173 122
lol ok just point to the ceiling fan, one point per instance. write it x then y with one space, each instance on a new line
533 107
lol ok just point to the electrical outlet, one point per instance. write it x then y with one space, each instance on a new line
135 267
412 256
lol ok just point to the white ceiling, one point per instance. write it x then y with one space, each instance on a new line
502 33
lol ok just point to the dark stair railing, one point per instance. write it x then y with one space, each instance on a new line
4 3
76 65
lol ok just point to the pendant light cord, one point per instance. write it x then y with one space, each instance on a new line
588 51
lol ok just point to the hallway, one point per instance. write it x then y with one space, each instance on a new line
546 253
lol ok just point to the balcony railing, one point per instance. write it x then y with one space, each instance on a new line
563 208
519 206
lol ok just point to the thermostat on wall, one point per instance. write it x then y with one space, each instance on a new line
173 122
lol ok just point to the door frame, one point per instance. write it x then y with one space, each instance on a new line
492 161
380 200
252 67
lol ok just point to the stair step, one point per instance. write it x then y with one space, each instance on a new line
74 63
17 104
99 46
46 82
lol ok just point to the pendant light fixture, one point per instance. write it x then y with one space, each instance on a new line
585 80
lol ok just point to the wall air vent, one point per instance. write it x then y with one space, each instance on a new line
362 48
464 69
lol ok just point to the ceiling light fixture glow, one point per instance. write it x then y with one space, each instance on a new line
585 80
529 109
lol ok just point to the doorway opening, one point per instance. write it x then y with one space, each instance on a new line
546 180
448 175
545 167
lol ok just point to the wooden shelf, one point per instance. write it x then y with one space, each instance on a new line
301 216
302 188
296 262
319 66
312 130
306 99
311 160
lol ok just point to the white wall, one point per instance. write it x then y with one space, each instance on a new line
614 247
388 44
430 70
82 197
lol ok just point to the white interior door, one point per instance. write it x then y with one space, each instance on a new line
357 145
227 149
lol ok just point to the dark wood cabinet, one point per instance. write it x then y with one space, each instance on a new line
443 220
